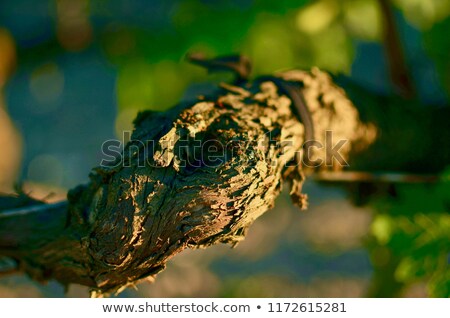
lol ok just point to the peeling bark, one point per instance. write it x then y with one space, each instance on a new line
154 202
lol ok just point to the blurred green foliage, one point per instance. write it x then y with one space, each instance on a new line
411 238
274 34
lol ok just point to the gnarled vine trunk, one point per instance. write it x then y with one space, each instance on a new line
194 176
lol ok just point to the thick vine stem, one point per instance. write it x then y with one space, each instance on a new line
194 176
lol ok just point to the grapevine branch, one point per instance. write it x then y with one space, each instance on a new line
149 205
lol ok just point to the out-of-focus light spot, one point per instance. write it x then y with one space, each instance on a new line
135 86
7 56
46 169
74 30
10 141
269 46
424 13
156 87
46 86
363 18
382 229
11 150
317 16
124 122
170 84
332 50
48 192
406 269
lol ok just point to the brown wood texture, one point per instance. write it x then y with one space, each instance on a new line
154 202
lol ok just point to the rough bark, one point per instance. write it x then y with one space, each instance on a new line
152 203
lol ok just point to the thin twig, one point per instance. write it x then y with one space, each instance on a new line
31 209
398 69
380 177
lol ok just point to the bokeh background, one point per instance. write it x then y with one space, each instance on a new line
74 73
